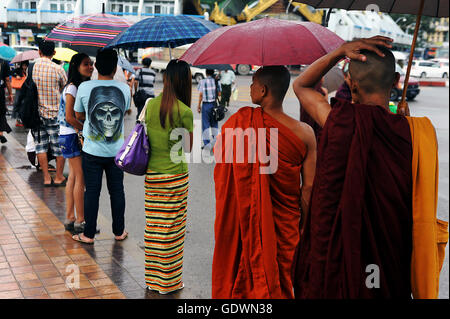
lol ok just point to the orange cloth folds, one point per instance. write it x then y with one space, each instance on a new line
430 235
257 215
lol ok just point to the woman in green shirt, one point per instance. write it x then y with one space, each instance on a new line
169 122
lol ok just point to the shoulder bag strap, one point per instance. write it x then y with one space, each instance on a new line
142 115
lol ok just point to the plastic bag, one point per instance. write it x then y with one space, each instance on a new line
234 93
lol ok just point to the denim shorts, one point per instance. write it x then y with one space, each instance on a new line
69 145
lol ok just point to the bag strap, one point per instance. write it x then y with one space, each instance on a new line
142 115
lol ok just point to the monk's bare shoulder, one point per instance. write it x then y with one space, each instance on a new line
306 133
302 130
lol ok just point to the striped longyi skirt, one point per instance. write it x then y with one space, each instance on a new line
165 214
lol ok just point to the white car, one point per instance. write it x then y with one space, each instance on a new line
23 48
444 65
428 69
197 74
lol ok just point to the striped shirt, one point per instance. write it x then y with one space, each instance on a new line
208 88
147 81
50 79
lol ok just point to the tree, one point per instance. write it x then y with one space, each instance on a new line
427 26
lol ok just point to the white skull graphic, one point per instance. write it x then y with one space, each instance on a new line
108 117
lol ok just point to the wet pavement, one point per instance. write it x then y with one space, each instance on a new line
123 262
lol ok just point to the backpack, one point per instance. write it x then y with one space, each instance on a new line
27 104
140 96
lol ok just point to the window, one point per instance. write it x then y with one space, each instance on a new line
117 7
19 5
53 6
61 7
26 5
68 7
127 9
135 9
171 10
157 9
33 5
148 9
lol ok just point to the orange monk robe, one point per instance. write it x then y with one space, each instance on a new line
430 235
257 215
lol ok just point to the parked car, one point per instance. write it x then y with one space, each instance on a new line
428 69
244 69
197 74
23 48
413 86
444 66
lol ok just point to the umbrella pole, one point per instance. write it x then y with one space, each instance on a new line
403 105
170 53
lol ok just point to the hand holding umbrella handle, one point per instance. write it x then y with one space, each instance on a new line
403 108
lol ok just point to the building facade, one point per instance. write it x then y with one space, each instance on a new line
42 15
440 33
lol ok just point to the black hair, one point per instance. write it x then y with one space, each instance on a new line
276 79
376 74
47 48
209 72
74 75
177 86
146 62
106 61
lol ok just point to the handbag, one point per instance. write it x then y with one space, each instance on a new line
218 112
134 154
16 83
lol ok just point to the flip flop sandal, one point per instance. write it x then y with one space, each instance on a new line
126 235
49 185
63 183
77 237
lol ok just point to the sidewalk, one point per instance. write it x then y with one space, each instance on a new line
38 258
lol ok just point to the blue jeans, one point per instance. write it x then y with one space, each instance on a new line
208 122
93 167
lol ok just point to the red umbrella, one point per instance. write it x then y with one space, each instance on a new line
27 55
262 42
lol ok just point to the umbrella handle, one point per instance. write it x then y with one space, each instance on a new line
402 107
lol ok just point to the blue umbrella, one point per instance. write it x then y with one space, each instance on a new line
7 53
125 64
163 31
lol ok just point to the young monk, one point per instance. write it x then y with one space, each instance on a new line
259 199
358 239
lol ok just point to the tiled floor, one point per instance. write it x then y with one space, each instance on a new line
38 258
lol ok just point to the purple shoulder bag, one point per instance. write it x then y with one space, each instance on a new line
134 154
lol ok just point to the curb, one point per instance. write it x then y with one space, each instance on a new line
434 83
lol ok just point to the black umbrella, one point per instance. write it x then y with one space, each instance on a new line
434 8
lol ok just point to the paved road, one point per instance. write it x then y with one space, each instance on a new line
432 102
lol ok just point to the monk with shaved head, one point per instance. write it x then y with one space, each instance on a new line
261 193
373 201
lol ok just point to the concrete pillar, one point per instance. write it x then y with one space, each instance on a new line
177 7
140 9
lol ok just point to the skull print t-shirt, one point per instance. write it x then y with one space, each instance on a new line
104 103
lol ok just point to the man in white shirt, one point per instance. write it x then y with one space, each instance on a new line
227 78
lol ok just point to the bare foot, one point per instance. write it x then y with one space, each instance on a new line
83 239
121 237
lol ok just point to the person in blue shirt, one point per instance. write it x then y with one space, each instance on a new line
102 104
209 90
